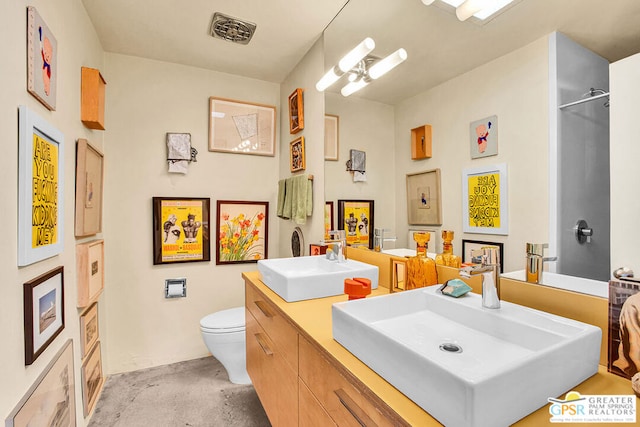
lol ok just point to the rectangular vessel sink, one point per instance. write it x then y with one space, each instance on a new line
464 364
307 277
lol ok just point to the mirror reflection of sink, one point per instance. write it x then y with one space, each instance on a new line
307 277
464 364
403 252
569 283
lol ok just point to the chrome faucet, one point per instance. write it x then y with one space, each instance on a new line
489 268
379 239
336 251
535 261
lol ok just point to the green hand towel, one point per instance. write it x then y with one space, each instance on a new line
281 196
288 199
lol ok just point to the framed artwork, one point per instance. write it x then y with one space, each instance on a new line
181 230
472 245
328 219
50 401
40 189
92 379
296 111
296 155
356 217
242 231
484 137
331 136
43 312
624 299
424 204
89 179
42 60
398 274
90 271
241 127
485 200
433 245
89 332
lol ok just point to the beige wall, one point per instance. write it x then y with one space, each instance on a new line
77 46
513 87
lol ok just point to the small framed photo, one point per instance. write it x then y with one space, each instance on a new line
241 127
90 271
92 379
485 200
89 179
181 230
89 332
42 60
51 399
424 204
331 136
328 219
242 231
40 189
296 111
356 216
43 312
472 245
484 137
296 155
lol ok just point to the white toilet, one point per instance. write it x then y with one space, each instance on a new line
223 333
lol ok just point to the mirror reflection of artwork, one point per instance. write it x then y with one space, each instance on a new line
42 60
88 198
357 161
624 329
47 310
424 195
484 137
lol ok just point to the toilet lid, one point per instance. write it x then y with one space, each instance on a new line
230 320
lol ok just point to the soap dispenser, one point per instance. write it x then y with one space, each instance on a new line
447 257
421 270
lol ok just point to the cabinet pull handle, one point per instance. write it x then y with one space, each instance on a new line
264 308
263 344
360 416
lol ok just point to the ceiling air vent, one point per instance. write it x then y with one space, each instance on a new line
231 29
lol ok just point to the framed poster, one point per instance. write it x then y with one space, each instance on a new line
242 231
42 60
485 200
484 137
328 219
90 271
40 189
331 136
50 401
296 111
180 230
92 379
472 245
89 332
43 312
89 178
356 217
241 127
424 205
296 155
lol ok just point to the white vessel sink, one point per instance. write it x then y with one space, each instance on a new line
596 288
307 277
512 358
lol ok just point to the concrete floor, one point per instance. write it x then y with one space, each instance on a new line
194 393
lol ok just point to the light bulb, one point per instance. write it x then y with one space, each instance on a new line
356 54
387 64
353 87
327 80
470 8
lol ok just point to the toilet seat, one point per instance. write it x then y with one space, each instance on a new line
224 322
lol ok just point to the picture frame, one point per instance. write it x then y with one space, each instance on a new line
89 330
181 229
328 219
485 200
89 271
297 155
92 379
398 274
471 245
331 137
296 111
250 221
51 398
89 189
424 203
484 137
42 62
40 189
433 246
240 127
43 312
357 218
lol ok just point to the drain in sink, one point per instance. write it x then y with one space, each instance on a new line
451 347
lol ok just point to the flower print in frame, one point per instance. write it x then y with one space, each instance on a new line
241 231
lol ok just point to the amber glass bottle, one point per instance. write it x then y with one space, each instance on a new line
421 270
447 257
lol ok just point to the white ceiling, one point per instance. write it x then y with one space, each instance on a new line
439 46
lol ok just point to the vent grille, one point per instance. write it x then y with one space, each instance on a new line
231 29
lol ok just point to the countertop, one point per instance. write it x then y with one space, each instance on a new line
313 319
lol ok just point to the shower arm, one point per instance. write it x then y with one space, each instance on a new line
580 101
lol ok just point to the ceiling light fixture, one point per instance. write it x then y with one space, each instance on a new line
361 67
481 9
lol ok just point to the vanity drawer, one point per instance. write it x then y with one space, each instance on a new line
340 399
312 414
280 331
